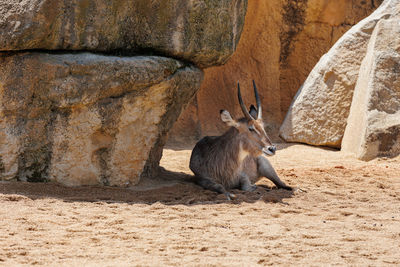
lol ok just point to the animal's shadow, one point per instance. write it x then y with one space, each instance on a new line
169 188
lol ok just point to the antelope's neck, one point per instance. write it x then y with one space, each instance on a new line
242 153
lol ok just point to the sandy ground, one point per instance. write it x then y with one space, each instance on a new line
347 213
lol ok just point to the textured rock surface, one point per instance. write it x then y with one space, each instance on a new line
88 119
373 127
280 44
203 32
320 109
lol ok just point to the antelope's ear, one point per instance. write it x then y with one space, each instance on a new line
227 118
253 112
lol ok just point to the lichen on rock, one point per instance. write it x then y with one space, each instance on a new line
202 32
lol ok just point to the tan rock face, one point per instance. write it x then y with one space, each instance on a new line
320 109
373 127
280 44
71 116
203 32
88 119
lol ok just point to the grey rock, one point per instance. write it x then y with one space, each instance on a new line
203 32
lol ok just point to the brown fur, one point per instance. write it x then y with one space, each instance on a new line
217 157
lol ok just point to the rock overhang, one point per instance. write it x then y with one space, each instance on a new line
81 100
204 33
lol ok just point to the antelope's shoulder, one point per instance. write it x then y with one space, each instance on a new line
205 143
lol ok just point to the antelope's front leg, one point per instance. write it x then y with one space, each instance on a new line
245 183
265 169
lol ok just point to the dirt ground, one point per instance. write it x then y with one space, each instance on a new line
347 213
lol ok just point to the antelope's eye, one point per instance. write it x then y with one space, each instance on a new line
251 128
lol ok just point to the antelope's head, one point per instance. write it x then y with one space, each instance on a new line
252 135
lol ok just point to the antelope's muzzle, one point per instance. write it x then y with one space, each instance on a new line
269 150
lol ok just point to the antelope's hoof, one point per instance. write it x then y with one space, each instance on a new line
230 196
289 188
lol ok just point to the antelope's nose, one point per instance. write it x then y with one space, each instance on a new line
272 149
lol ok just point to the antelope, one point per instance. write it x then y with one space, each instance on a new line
236 159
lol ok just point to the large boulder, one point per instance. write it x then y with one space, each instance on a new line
202 32
280 44
319 111
88 119
77 103
373 126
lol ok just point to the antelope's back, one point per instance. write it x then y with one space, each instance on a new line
200 153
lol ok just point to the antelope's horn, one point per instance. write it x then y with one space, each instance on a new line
244 110
258 101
